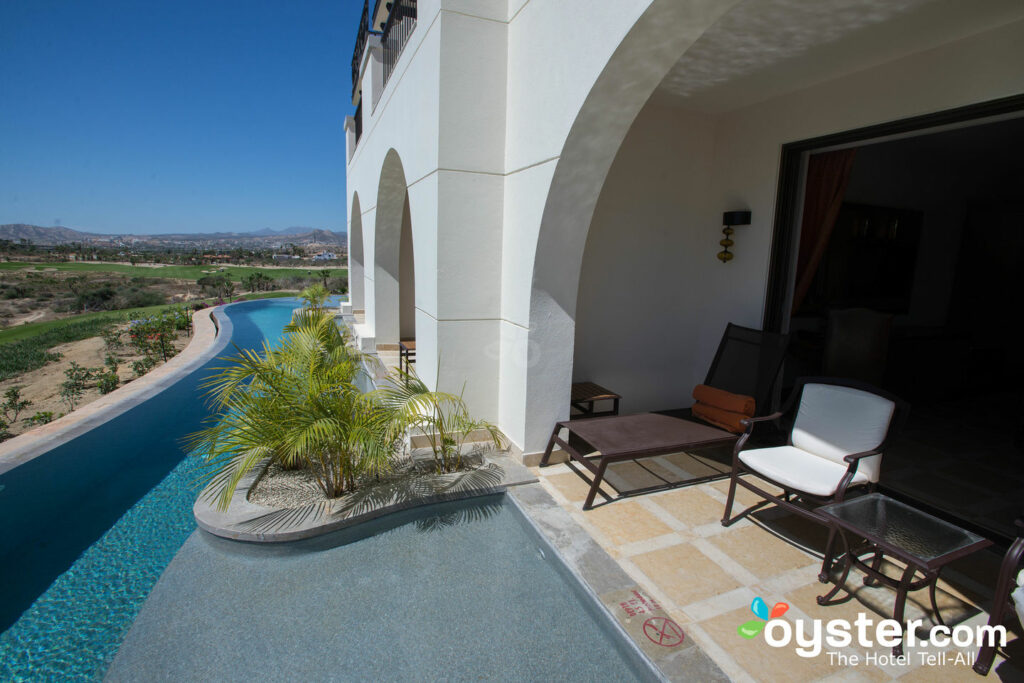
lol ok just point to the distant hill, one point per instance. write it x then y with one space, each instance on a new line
265 238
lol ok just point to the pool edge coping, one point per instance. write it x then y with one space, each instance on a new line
608 585
212 331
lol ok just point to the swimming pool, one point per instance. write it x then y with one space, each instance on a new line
455 591
88 527
96 528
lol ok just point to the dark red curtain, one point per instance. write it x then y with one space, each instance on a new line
827 176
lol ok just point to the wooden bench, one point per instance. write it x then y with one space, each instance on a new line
585 394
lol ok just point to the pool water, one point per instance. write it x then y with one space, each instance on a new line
457 591
88 527
103 573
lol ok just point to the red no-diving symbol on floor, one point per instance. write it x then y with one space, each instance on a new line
662 631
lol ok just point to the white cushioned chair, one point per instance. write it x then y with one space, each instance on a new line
840 430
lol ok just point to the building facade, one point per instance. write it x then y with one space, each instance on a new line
535 187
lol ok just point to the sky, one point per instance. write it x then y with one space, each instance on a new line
152 116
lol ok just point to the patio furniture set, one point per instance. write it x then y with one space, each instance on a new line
837 433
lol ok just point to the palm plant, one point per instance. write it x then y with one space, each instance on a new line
315 296
443 418
297 404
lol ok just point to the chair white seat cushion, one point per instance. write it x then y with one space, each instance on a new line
797 470
835 421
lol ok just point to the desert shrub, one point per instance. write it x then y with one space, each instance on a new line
144 365
112 339
4 430
13 404
216 285
338 285
95 299
107 381
40 418
72 389
140 298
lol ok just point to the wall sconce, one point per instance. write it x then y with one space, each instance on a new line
729 219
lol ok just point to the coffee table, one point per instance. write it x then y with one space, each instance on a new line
631 437
922 542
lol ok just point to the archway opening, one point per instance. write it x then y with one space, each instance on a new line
394 299
356 281
407 292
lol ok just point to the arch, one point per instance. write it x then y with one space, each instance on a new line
655 43
389 277
356 279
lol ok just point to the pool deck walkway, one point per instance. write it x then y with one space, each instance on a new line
672 544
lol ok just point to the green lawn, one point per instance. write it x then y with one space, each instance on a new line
236 273
34 329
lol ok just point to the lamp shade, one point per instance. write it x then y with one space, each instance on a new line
736 218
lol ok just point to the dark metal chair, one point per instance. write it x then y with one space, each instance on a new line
840 430
748 362
1003 605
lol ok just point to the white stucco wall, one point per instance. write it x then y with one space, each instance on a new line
653 236
507 117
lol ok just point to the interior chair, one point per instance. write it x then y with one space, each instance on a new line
1009 597
839 432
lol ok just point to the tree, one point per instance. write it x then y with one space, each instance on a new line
258 282
297 404
325 275
315 296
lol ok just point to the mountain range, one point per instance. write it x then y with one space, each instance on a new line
264 238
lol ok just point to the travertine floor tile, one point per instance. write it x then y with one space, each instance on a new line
759 552
684 573
690 506
626 522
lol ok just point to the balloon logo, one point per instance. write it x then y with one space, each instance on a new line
760 609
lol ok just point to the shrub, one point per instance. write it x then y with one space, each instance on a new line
72 389
141 367
107 382
4 430
98 299
40 418
13 404
216 285
142 298
112 339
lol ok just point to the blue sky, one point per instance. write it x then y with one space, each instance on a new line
156 116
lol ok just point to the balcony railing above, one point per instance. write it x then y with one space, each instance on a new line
361 37
399 26
395 31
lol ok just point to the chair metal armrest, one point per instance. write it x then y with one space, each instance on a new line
851 470
749 422
855 457
748 430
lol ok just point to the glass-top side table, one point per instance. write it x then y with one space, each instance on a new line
924 543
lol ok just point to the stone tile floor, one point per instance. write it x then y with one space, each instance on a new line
706 576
